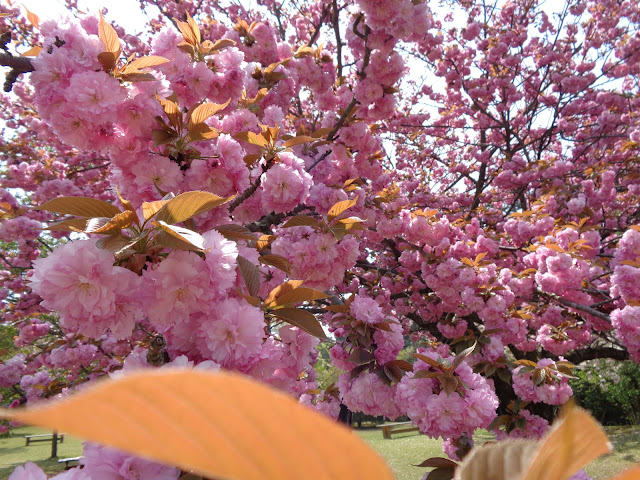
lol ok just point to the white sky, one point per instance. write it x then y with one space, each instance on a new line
125 13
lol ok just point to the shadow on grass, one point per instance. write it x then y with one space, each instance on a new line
10 451
50 467
626 443
625 439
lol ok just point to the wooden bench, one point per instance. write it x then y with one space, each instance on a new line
45 437
68 461
389 429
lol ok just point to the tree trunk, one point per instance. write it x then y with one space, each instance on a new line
54 445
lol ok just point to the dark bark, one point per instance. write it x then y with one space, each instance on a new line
580 356
345 415
18 65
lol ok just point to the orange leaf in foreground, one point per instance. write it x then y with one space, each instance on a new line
574 440
220 425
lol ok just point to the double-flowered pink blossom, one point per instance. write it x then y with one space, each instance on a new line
78 280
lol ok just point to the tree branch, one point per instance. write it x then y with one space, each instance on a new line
336 30
246 194
334 132
577 306
316 32
18 65
583 355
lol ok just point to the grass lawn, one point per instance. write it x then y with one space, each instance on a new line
404 450
13 452
400 452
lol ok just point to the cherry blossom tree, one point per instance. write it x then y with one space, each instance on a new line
236 186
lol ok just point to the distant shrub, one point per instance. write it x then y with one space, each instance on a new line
610 390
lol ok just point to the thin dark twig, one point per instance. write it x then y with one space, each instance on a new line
246 194
316 32
334 132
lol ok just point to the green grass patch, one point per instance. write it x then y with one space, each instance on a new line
626 452
401 452
404 450
13 451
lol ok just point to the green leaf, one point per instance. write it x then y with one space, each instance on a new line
521 423
503 374
498 421
188 205
301 319
80 207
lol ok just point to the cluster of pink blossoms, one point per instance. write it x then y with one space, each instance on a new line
553 389
102 463
626 321
78 280
439 413
12 370
119 119
534 428
474 226
368 394
625 283
319 258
